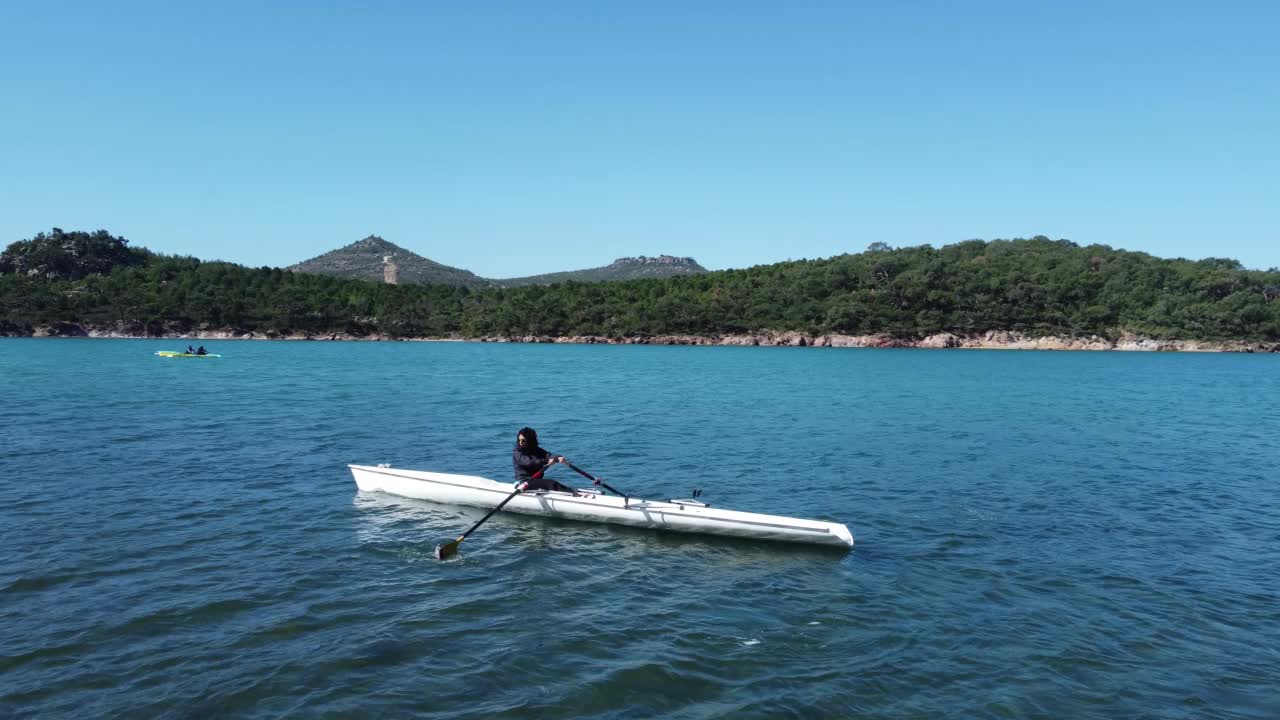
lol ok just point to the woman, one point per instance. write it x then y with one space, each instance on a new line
530 461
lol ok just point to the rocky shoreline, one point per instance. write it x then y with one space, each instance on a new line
992 340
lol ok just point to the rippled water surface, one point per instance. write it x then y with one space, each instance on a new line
1039 534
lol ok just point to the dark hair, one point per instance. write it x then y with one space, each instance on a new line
529 434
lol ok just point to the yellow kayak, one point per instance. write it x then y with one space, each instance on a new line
171 353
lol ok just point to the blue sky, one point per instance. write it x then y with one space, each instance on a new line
520 138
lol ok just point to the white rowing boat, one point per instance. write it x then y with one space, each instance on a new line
591 505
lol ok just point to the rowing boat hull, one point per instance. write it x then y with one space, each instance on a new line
682 516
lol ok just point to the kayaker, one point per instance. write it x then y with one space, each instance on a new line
530 461
201 351
190 350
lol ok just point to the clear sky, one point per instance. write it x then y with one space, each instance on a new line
529 137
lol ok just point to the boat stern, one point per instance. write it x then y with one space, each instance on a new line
842 532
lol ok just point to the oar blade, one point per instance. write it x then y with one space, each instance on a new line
447 550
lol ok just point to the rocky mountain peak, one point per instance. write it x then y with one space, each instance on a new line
659 260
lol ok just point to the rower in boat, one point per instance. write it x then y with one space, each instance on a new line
531 461
687 515
190 351
201 351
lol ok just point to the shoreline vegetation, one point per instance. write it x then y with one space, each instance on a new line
994 340
1033 293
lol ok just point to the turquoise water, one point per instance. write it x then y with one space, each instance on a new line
1039 534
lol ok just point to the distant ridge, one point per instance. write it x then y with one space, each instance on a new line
627 268
377 260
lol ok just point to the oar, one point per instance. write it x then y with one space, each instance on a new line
595 480
451 548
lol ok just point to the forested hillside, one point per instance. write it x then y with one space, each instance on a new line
1036 286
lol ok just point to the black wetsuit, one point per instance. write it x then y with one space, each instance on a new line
529 462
